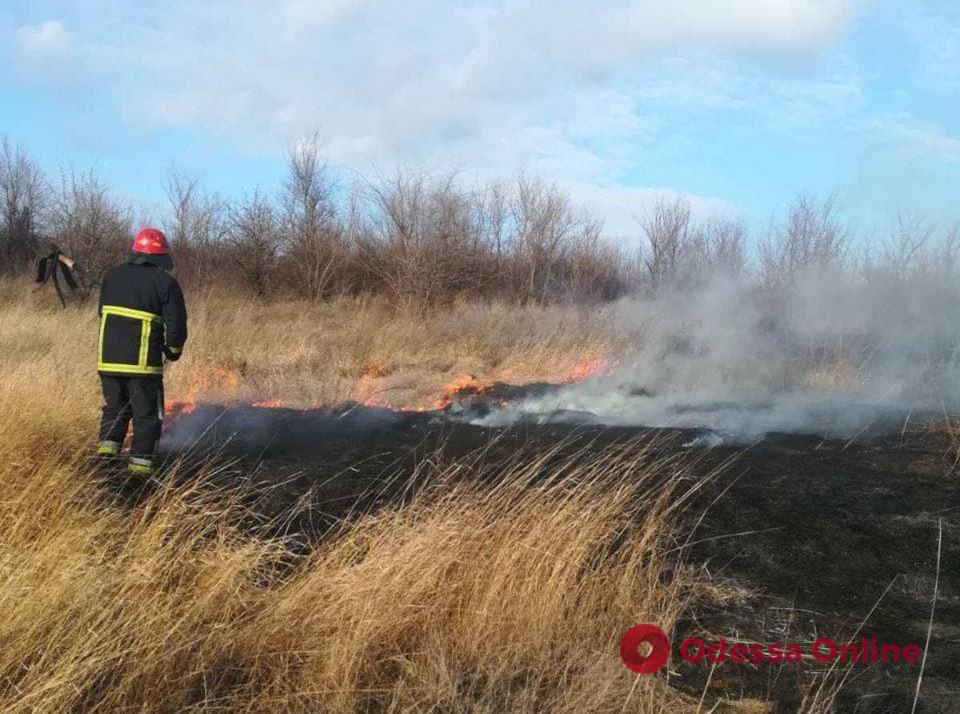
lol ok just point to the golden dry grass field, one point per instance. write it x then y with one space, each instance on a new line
464 599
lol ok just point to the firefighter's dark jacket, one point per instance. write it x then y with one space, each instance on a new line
142 318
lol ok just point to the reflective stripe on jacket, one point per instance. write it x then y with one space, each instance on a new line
142 316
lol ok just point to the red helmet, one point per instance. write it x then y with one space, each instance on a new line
150 241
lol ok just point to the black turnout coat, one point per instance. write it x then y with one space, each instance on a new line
142 319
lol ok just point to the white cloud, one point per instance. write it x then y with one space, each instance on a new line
301 54
45 40
427 78
301 13
909 136
573 90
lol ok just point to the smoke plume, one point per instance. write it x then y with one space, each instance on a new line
826 351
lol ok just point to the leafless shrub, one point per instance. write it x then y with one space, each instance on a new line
948 255
723 246
196 228
493 215
546 230
677 249
415 239
89 224
424 243
254 240
812 237
673 247
908 243
915 249
597 270
24 193
313 237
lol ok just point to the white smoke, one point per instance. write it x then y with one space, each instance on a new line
828 352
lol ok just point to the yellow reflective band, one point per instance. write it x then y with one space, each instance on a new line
107 450
103 323
127 368
138 469
175 350
130 312
144 342
146 327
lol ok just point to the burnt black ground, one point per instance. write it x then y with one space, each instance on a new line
834 524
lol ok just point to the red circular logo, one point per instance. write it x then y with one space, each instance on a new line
655 653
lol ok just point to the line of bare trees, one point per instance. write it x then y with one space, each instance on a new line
415 239
76 212
421 240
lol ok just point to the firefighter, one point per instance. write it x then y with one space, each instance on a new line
143 320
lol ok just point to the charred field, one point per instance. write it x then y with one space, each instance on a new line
827 535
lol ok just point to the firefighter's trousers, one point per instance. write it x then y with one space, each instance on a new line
139 399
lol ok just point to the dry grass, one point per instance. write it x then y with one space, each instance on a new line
321 355
309 354
467 599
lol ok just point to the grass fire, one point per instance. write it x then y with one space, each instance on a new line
345 528
479 357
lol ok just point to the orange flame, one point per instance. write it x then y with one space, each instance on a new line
460 387
366 391
183 406
216 379
376 369
588 368
369 390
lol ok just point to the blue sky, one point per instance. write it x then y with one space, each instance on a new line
739 104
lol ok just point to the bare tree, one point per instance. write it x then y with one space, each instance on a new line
313 237
425 242
390 247
812 237
254 237
196 227
545 228
90 226
595 270
23 192
947 254
906 247
677 249
722 246
419 240
668 235
493 216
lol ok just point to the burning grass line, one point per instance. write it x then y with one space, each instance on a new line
178 575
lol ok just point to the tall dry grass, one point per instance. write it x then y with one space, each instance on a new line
467 599
471 597
308 354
